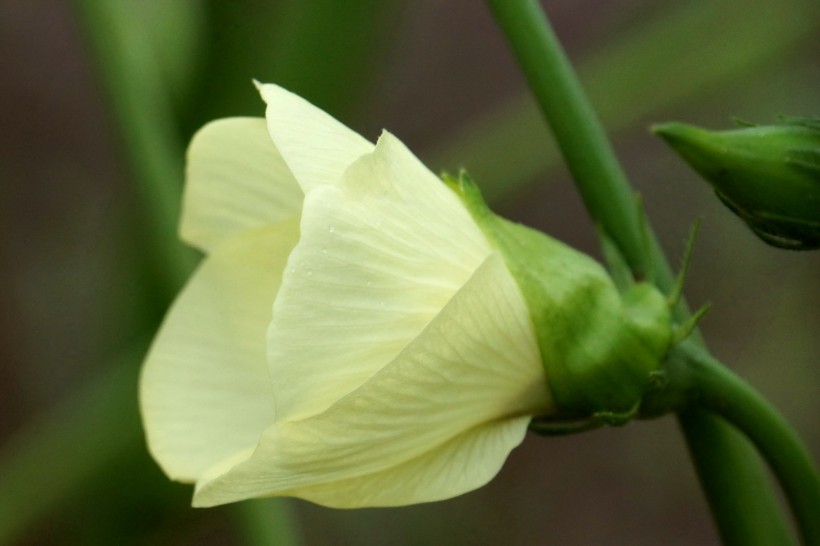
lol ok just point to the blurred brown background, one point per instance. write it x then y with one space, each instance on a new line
437 74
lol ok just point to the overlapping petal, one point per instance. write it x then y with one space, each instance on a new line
205 390
403 360
317 148
379 255
435 422
463 463
236 180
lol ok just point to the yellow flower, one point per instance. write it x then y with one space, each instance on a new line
352 336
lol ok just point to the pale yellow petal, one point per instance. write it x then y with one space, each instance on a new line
462 464
317 148
460 393
205 390
378 257
235 180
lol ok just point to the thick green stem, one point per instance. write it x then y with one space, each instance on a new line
610 200
719 390
582 139
716 440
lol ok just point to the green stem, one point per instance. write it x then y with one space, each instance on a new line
716 441
610 200
719 390
579 134
268 521
140 101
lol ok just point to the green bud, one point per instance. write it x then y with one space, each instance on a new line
768 175
599 347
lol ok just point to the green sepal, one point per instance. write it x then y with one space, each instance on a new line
684 330
547 426
599 346
768 175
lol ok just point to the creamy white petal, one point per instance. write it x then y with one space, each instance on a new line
378 257
205 389
462 464
445 400
317 148
236 180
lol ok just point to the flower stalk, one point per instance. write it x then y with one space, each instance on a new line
717 389
582 139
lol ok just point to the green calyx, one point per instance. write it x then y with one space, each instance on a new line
601 348
768 175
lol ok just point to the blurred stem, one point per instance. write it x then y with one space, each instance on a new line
141 103
56 453
268 521
322 50
609 199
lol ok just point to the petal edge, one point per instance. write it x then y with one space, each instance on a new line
209 355
235 180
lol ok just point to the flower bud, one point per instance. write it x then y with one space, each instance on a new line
599 347
768 175
360 335
351 338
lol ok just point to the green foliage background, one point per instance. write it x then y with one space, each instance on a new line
97 102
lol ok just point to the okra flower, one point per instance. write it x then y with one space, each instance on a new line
357 335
